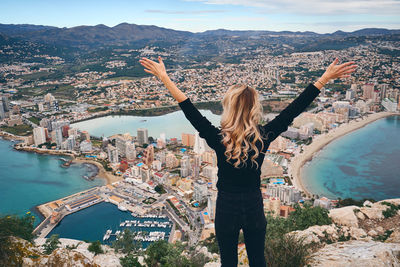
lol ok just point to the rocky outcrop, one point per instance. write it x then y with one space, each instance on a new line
344 216
357 253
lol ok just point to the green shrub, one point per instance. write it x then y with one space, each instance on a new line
305 217
130 261
126 242
287 251
51 244
391 211
95 247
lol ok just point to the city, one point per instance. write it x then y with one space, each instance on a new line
174 177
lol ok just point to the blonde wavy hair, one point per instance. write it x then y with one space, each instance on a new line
239 124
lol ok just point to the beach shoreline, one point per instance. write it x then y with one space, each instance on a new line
102 173
320 141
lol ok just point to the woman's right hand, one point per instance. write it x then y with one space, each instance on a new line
152 67
338 71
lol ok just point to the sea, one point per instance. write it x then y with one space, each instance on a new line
362 164
172 124
29 179
99 218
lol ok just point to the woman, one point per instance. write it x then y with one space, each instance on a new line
240 145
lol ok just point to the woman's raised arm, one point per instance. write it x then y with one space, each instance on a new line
205 128
158 70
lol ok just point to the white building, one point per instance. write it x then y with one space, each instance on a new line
39 136
200 190
389 104
86 146
112 154
288 194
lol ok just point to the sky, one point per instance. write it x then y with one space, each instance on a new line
320 16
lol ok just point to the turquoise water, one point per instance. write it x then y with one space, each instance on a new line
99 218
362 164
30 179
172 124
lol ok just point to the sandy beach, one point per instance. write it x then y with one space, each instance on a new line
319 141
110 178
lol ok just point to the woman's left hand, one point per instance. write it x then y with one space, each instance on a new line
157 69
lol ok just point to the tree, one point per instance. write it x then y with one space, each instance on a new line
95 247
51 244
11 225
130 261
126 242
302 218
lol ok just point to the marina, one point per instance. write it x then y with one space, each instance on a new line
107 222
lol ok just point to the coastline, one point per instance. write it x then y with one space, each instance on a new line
320 141
102 173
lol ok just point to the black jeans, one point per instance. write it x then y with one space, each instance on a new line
235 211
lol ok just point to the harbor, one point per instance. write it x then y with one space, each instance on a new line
128 207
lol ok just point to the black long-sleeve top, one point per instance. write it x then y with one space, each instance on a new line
247 177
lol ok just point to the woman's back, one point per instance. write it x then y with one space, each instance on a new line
247 176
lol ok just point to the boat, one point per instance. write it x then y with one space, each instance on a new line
121 207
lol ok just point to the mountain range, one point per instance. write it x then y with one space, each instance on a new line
128 34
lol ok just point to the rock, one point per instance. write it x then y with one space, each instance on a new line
106 260
372 233
373 213
394 237
380 230
367 203
344 216
360 215
357 253
395 201
357 233
212 264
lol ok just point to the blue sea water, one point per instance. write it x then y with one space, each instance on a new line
362 164
172 124
99 218
30 179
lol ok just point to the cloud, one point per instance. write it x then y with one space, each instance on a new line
192 12
315 7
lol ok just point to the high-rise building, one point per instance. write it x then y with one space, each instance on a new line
200 191
2 111
39 136
368 91
211 203
171 161
185 166
85 146
130 151
200 145
188 139
112 154
288 194
71 143
211 173
6 102
142 136
148 155
210 157
350 94
59 138
196 166
120 144
85 135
